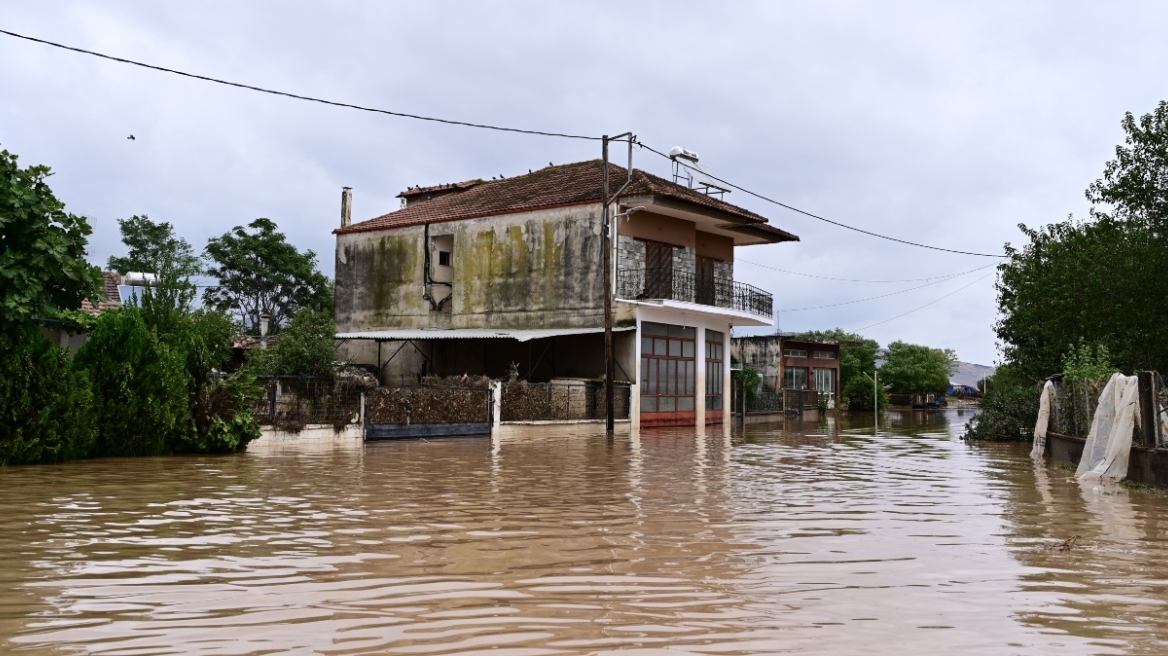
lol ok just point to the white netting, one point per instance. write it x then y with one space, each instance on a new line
1043 421
1109 441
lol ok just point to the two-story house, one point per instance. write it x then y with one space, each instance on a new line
489 276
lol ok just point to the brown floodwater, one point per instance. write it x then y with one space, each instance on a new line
815 538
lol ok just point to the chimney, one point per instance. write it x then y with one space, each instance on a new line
346 206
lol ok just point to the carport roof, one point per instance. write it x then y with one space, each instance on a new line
522 335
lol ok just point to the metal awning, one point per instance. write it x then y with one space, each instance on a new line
521 335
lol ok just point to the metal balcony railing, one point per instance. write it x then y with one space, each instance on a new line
652 284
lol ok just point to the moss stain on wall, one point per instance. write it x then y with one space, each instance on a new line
391 272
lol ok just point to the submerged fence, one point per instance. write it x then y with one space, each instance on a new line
1074 404
292 402
787 400
560 400
404 406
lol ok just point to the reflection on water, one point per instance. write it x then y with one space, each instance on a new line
828 538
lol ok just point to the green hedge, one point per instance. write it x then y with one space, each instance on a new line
46 404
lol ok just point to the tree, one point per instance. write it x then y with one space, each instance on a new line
307 347
1098 280
42 262
858 393
260 272
857 353
153 248
1135 183
916 369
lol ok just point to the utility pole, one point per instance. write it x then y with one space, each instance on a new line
609 240
876 397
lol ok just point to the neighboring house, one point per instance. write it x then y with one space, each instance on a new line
478 276
789 362
65 334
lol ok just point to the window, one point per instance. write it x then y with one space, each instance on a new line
825 380
667 368
824 355
658 270
714 361
705 290
795 377
444 258
795 353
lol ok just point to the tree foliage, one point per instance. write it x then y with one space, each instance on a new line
916 369
154 248
307 347
1085 362
139 383
1008 412
1099 280
860 392
260 272
857 353
45 402
42 262
748 380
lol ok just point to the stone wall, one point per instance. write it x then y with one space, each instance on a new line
724 284
684 272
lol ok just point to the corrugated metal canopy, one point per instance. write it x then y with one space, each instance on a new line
402 334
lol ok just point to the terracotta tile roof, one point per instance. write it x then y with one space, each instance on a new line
109 288
555 186
454 186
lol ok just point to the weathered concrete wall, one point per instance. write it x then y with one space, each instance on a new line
539 269
764 354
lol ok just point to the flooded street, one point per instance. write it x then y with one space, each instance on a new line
813 538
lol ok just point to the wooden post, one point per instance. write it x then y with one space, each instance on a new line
1149 427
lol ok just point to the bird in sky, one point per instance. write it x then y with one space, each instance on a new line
131 137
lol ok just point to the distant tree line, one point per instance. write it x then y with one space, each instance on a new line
151 379
906 369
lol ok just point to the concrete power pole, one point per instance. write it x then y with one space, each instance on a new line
609 242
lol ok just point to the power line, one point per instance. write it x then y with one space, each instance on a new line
814 216
926 304
873 298
285 94
812 275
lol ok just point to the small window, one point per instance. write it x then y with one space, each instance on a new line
444 258
795 353
825 355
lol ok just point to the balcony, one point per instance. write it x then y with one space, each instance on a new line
665 284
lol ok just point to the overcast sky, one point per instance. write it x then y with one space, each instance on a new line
935 122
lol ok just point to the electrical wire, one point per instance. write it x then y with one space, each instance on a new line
814 216
286 94
873 298
878 323
812 275
483 126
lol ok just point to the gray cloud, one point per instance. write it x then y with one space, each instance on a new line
938 123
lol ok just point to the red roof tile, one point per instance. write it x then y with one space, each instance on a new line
554 186
109 288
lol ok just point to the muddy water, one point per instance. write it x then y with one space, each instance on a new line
816 538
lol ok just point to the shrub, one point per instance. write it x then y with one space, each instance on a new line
222 413
140 386
1008 414
307 347
857 394
46 405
